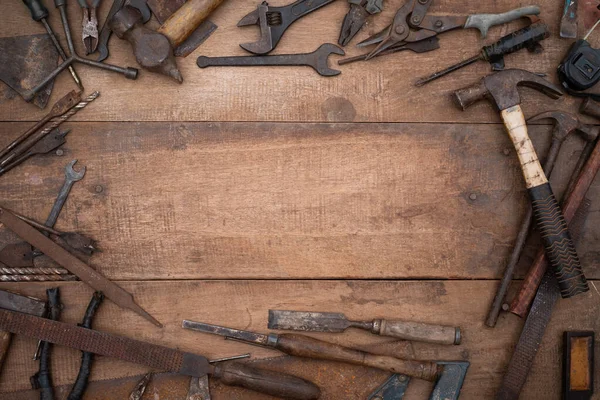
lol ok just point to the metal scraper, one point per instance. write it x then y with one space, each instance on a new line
25 61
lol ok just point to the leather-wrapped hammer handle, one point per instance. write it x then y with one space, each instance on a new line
306 346
269 382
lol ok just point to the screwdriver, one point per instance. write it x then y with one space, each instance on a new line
39 13
528 37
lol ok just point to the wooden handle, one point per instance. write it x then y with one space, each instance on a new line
5 338
420 332
184 21
521 302
305 346
272 383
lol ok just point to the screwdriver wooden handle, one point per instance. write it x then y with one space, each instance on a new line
272 383
184 21
418 331
551 224
305 346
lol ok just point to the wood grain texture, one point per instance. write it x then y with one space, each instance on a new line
376 91
214 200
244 304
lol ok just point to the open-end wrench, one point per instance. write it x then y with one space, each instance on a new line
71 176
317 60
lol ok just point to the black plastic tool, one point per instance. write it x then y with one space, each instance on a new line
528 37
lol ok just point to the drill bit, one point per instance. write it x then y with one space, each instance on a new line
33 271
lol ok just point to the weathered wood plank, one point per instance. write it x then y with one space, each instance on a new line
378 91
244 304
211 200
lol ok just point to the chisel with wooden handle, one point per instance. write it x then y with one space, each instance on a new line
308 347
337 322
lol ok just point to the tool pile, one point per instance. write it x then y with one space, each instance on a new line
43 253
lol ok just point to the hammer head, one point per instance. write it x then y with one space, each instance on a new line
502 88
566 123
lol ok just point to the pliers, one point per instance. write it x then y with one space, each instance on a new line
89 24
360 10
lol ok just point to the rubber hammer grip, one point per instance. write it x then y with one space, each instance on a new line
470 95
184 21
37 9
305 346
557 241
418 331
268 382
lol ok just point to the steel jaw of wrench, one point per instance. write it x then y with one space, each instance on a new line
71 176
317 60
274 21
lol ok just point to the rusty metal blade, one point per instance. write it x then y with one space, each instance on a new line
105 344
237 334
16 302
86 273
25 61
308 321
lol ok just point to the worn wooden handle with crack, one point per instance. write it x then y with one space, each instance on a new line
272 383
551 224
306 346
418 331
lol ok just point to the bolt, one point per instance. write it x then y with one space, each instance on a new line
400 29
416 19
506 151
98 188
402 378
60 152
473 196
439 23
505 307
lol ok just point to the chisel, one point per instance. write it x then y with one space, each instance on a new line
337 322
306 346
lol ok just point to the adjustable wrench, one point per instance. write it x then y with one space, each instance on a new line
317 60
71 176
274 21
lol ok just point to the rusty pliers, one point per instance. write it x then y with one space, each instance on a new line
360 10
89 33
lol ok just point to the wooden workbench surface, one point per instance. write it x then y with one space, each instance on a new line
249 189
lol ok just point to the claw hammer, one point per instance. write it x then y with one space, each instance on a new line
154 49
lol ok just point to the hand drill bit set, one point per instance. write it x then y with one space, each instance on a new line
39 252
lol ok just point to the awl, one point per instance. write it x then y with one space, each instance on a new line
87 274
308 347
337 322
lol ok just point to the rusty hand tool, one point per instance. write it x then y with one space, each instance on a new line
152 50
40 13
37 278
568 22
17 255
89 24
528 37
29 270
501 88
274 21
77 267
353 22
317 60
129 73
42 380
159 357
535 325
337 322
87 358
71 176
106 32
17 302
49 143
199 388
422 46
566 124
59 108
411 23
306 346
53 125
140 388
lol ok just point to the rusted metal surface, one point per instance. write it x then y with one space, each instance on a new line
87 274
163 9
49 143
422 46
37 278
17 255
245 336
24 61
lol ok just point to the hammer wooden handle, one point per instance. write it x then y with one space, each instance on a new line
418 331
305 346
272 383
184 21
551 224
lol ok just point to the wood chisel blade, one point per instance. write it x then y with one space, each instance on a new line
308 321
65 259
